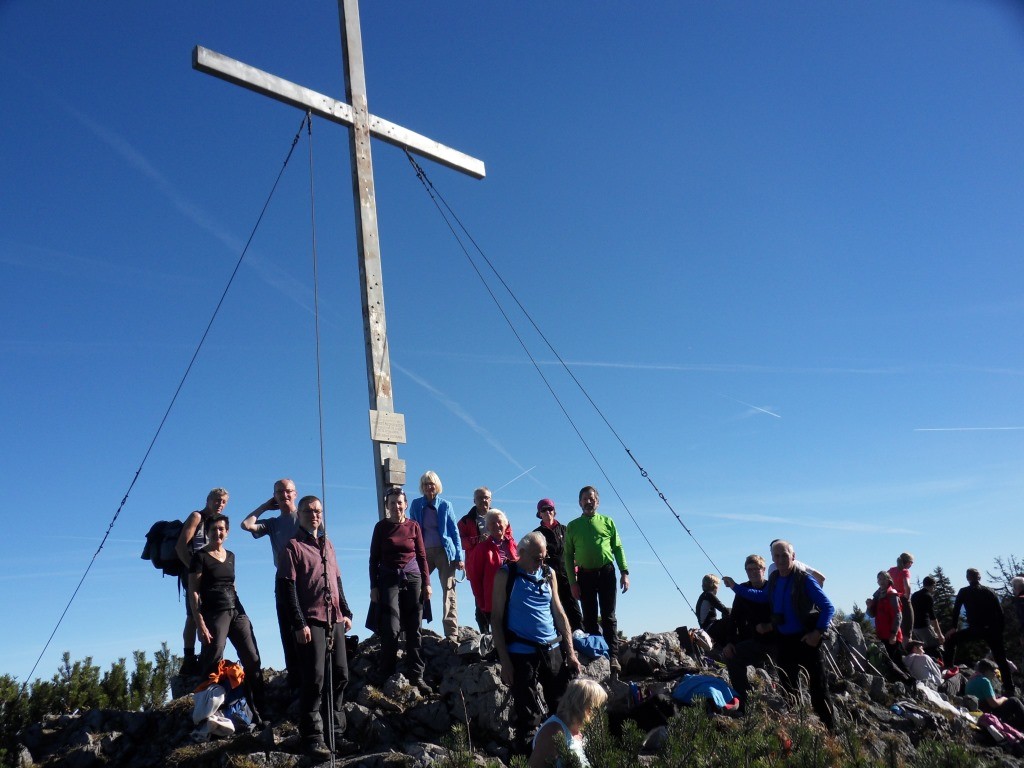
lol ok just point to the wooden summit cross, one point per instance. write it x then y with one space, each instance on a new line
387 428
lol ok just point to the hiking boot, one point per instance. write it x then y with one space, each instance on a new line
189 666
344 747
317 749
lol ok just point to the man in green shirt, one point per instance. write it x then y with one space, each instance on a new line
592 548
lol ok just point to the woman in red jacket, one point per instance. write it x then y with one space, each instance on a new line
886 607
487 558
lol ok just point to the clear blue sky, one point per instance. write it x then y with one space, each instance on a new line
779 243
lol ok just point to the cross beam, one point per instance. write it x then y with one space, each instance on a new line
387 428
287 92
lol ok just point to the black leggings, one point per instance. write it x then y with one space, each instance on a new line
400 609
234 626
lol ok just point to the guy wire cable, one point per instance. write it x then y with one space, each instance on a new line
329 636
422 176
167 412
424 179
316 310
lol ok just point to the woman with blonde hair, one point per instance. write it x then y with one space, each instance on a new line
708 608
900 575
582 698
436 519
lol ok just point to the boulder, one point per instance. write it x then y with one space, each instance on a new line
477 694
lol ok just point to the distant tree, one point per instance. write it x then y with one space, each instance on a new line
115 685
944 597
858 615
1006 569
151 679
165 668
142 680
79 686
13 717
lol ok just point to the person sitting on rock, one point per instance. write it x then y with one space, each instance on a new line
581 700
532 637
745 644
708 608
489 554
922 666
1009 709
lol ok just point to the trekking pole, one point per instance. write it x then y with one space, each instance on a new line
328 652
866 661
856 655
832 662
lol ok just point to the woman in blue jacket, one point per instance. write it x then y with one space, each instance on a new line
436 518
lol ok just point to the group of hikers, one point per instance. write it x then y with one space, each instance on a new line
531 596
780 613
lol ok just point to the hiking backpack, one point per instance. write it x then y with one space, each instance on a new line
160 547
514 572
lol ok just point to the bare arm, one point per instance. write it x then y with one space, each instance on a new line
194 582
187 532
498 625
562 624
546 751
249 523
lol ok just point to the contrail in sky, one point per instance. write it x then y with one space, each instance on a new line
515 478
461 413
967 429
755 407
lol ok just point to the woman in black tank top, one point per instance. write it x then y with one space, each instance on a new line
218 613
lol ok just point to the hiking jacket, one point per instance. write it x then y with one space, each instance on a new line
797 602
482 565
471 530
746 615
887 615
591 542
982 605
446 524
555 537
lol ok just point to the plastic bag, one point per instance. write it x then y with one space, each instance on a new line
207 702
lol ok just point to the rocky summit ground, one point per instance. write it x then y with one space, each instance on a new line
396 724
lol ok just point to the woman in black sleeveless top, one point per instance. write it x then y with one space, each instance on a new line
218 613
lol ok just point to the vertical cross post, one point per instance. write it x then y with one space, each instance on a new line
387 428
387 466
